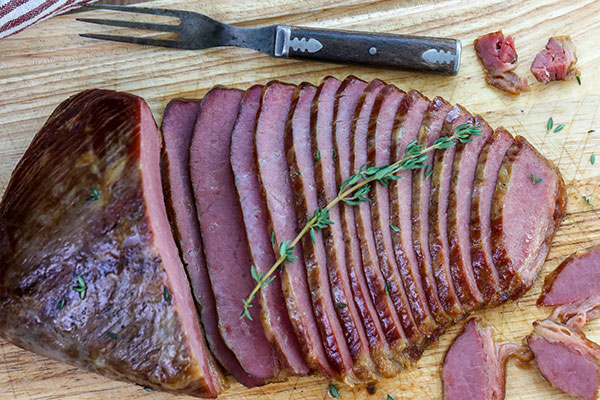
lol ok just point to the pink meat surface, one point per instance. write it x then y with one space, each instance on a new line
556 62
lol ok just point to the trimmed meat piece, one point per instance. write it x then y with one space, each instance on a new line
178 128
302 175
573 287
281 209
347 99
566 358
381 129
498 57
321 141
87 258
409 117
486 176
474 367
421 188
459 212
223 234
449 291
362 213
527 208
274 315
556 62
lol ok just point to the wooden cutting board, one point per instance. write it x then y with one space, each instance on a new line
42 66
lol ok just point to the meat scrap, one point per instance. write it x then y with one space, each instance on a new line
566 358
498 56
474 366
556 62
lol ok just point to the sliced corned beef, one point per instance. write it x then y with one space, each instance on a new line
274 315
281 209
527 208
486 176
223 234
556 62
348 97
178 128
321 141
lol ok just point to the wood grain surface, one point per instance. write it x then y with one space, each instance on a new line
43 65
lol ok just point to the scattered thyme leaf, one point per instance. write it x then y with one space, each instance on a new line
61 303
591 131
298 173
592 158
333 391
81 288
112 335
318 156
273 238
389 397
147 389
340 305
167 295
387 290
334 154
549 125
394 227
535 181
559 128
578 79
588 200
95 195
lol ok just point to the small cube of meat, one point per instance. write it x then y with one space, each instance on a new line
556 62
499 58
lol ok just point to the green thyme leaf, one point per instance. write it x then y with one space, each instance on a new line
535 181
549 125
333 391
389 397
588 200
255 274
111 335
559 128
592 158
591 131
334 154
61 303
298 173
95 195
318 156
273 238
147 389
167 295
286 251
313 235
578 79
81 288
394 227
340 305
387 290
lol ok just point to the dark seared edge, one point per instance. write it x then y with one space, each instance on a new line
407 125
459 216
486 176
86 200
531 214
302 175
390 321
274 315
281 209
438 238
223 233
429 132
321 141
379 141
347 99
178 128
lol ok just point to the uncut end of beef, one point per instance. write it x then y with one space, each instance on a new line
566 358
87 258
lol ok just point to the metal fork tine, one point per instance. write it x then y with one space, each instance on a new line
136 40
132 24
142 10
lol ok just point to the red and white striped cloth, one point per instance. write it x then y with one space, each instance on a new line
16 15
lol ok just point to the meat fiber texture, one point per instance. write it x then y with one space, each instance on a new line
355 302
556 62
498 57
474 366
566 358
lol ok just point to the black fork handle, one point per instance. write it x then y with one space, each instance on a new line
439 55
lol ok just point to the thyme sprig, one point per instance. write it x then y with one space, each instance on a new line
354 191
